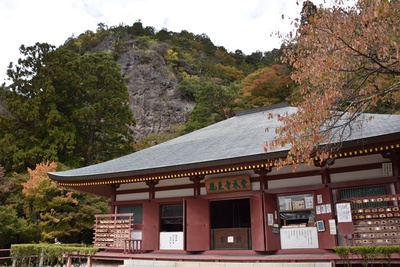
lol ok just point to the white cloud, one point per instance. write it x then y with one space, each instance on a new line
234 24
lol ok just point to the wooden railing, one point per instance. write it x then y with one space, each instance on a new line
84 260
49 254
133 246
7 252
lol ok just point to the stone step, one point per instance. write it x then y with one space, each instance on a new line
151 263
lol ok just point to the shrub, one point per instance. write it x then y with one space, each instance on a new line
45 254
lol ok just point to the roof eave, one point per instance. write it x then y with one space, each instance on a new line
57 176
243 160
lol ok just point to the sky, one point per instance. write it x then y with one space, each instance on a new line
246 25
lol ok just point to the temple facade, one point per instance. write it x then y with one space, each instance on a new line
216 189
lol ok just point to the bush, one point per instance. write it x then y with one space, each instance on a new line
45 254
366 254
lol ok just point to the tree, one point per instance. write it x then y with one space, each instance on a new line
267 86
62 106
308 11
101 114
12 228
214 103
42 196
56 212
6 186
345 59
20 123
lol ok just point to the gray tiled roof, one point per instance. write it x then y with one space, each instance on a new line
233 139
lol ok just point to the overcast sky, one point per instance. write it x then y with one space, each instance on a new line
234 24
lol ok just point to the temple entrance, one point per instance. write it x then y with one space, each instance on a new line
230 224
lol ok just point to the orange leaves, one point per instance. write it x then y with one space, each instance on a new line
67 198
345 58
303 132
267 86
264 145
38 179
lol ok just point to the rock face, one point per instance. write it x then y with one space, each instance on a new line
155 100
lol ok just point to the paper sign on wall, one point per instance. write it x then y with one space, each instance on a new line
332 227
270 219
343 212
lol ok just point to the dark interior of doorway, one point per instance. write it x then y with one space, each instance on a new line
230 213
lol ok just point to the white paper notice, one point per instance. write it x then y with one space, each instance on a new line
270 219
343 212
171 240
302 237
318 209
332 227
328 208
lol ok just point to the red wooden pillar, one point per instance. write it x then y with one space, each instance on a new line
272 237
197 224
152 188
113 197
268 208
325 174
151 226
325 239
196 179
257 223
262 172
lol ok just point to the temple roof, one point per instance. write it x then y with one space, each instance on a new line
231 141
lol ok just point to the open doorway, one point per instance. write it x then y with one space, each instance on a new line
230 213
230 224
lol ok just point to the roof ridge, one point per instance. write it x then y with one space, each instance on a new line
263 108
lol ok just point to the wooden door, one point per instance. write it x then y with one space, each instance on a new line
325 239
272 236
257 223
151 226
197 224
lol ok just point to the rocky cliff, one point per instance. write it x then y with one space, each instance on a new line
155 100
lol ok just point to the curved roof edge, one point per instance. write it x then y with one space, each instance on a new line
233 141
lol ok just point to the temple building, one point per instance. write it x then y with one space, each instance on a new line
215 189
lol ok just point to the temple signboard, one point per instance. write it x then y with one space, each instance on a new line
228 184
231 238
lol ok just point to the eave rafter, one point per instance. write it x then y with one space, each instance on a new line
267 164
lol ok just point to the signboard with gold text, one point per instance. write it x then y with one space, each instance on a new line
228 184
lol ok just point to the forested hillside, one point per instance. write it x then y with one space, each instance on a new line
104 94
181 79
172 83
122 88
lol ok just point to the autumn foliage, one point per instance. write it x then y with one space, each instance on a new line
346 60
55 211
267 86
39 182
